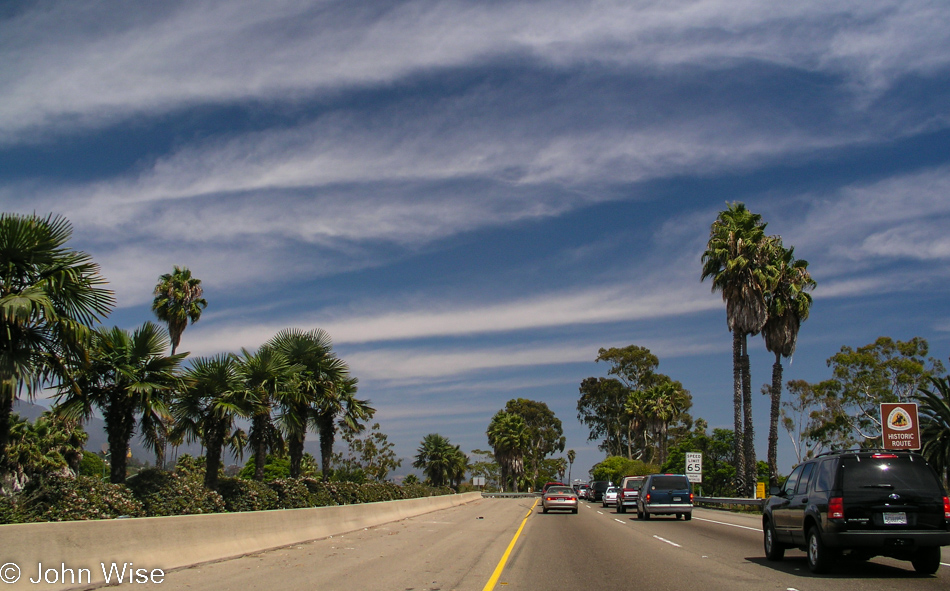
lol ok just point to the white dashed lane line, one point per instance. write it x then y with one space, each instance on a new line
667 541
758 529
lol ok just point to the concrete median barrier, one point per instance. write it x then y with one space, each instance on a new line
143 545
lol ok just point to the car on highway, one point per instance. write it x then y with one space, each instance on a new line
665 494
548 485
866 502
584 491
561 498
610 497
597 489
628 493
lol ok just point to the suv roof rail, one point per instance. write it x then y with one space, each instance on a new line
875 450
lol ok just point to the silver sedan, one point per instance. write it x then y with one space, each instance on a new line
561 498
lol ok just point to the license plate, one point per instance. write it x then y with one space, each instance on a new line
677 499
895 519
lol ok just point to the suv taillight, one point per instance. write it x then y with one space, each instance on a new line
835 508
648 498
946 507
690 497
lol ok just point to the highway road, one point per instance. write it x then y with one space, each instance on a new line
507 544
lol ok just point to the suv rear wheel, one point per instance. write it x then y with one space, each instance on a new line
819 559
926 561
773 550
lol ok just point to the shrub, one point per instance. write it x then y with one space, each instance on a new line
169 493
92 465
291 493
247 495
320 495
58 498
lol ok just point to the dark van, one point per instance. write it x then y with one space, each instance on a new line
665 494
597 490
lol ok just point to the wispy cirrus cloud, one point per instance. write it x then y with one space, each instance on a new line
73 65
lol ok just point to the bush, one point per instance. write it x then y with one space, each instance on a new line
9 510
58 498
93 466
320 495
247 495
291 493
169 493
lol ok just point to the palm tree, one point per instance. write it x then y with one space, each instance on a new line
178 300
339 406
211 399
935 424
318 372
508 436
50 295
458 467
438 459
734 260
125 375
267 379
571 456
789 304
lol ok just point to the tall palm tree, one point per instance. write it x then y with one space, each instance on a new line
212 397
789 304
438 459
508 436
319 370
178 300
50 296
339 407
125 376
571 456
935 424
267 379
734 261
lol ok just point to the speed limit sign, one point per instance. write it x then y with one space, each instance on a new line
694 466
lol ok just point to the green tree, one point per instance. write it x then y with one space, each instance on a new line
211 400
717 450
125 376
845 410
373 454
737 263
571 456
50 444
437 458
545 433
601 407
614 468
935 424
509 438
318 372
50 296
339 407
486 466
267 380
789 304
177 301
635 367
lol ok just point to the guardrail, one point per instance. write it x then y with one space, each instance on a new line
729 502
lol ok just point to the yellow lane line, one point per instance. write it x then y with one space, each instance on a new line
504 559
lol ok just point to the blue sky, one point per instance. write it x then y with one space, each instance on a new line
473 197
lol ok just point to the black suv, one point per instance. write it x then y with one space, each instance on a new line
870 502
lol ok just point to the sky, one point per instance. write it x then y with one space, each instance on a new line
473 197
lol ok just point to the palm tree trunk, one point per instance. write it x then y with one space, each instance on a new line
748 430
260 447
6 411
738 439
213 444
295 451
325 425
773 420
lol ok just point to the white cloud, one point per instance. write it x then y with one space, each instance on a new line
74 64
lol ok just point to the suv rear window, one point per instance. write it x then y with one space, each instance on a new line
669 483
896 472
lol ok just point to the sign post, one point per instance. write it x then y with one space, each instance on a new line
899 425
694 467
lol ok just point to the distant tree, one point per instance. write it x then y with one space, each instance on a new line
635 367
267 380
484 465
509 438
437 458
717 449
50 297
789 304
614 468
571 456
736 262
340 408
177 301
373 454
545 433
601 407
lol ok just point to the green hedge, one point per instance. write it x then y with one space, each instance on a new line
170 493
246 495
58 498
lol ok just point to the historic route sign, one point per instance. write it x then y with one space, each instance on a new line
899 424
